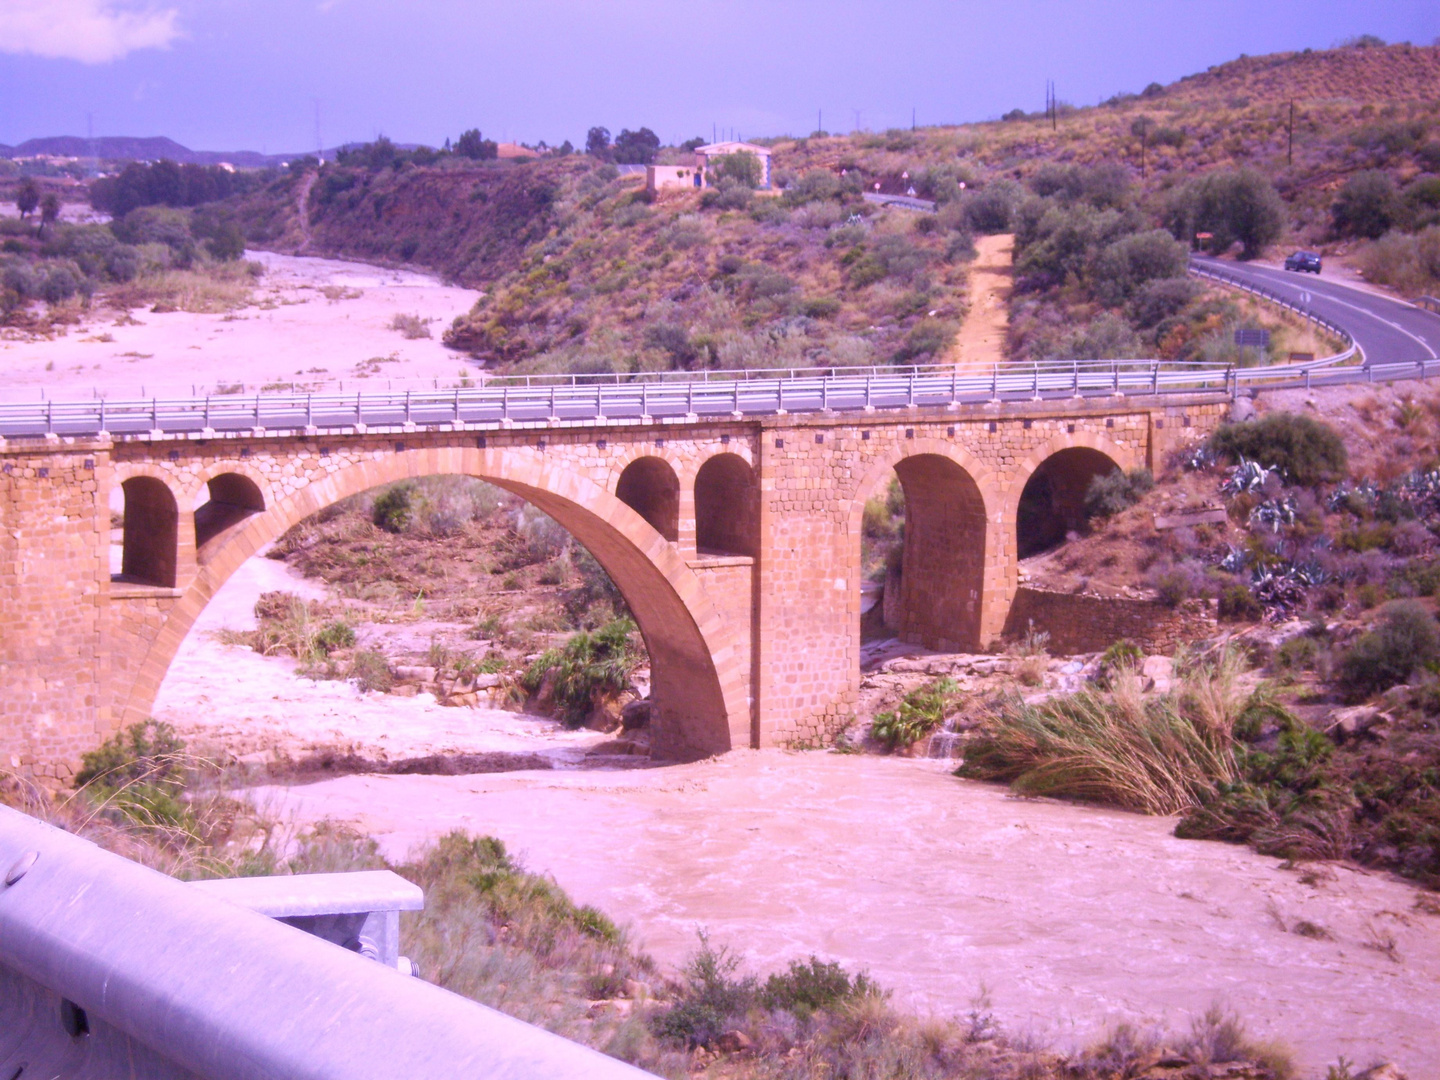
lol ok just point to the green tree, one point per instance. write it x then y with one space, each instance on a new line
636 147
49 210
473 146
743 168
28 197
597 142
1368 205
1231 205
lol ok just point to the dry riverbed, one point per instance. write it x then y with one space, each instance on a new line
314 324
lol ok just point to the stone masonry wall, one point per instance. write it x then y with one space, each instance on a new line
1085 624
54 574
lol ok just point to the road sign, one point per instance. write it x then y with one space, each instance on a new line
1247 336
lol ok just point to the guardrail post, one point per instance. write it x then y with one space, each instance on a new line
910 400
599 402
102 416
457 407
735 411
1035 393
1155 378
690 398
1307 378
359 415
954 385
505 402
257 411
553 414
1115 378
644 401
309 410
407 406
995 383
1075 370
154 414
868 406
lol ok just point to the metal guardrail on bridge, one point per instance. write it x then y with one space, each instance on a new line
679 396
111 970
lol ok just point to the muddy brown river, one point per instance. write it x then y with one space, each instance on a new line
1070 918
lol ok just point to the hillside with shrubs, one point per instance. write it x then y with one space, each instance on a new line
584 271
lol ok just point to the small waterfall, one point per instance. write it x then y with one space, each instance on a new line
943 743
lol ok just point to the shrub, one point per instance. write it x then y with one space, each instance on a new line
371 671
413 327
1135 261
140 772
1238 604
728 194
920 712
711 998
1411 263
1113 492
927 341
586 669
1307 450
741 168
1158 300
1405 641
1368 205
809 986
394 508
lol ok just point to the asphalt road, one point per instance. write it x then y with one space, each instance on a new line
1387 331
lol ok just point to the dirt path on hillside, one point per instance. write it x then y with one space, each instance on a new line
1072 917
302 211
981 341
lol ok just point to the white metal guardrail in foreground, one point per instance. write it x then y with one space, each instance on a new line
109 970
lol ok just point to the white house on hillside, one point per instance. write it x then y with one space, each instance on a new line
681 176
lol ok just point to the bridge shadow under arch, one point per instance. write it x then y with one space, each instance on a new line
1052 501
947 544
699 704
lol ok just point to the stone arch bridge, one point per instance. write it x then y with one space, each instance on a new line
735 539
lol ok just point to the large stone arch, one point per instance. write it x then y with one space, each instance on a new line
1073 460
951 584
699 700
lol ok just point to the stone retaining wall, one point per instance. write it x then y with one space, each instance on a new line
1079 624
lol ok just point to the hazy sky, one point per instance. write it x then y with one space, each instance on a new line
248 74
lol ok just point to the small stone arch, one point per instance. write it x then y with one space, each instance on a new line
233 497
697 689
1048 497
946 570
150 548
727 507
649 486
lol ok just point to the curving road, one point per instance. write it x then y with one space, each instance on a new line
1387 331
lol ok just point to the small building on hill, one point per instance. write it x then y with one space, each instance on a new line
670 177
705 155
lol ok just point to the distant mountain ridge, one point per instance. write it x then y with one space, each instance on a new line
132 148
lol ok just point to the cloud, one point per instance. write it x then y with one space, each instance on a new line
91 31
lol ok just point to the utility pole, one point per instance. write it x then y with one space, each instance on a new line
1144 131
319 144
819 119
912 117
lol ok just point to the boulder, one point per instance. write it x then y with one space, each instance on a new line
1159 673
635 715
733 1042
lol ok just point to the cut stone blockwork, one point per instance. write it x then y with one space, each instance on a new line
735 543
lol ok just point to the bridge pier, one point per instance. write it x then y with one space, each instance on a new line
735 542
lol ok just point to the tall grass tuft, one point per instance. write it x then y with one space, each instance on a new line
1160 755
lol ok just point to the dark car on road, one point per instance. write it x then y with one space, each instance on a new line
1303 260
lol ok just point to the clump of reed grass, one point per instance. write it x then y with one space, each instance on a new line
1157 755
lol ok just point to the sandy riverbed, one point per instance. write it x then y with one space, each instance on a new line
294 334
